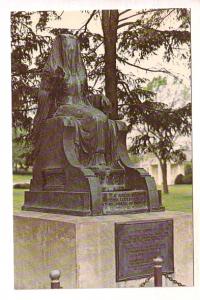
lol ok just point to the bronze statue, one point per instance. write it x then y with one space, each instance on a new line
81 162
64 92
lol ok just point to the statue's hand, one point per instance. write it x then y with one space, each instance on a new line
101 102
105 104
69 121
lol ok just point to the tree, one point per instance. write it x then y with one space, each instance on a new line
21 151
131 35
110 20
29 52
128 38
159 127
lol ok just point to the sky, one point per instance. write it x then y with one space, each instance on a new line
75 19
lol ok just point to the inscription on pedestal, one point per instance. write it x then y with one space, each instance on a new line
132 201
138 243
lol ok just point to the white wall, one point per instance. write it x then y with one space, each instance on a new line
153 167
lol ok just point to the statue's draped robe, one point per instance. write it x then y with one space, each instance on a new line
64 92
81 162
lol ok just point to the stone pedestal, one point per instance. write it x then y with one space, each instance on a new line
83 249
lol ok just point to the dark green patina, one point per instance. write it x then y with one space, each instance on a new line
81 162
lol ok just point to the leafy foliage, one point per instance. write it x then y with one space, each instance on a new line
156 83
30 48
159 126
140 35
188 169
21 150
29 53
187 179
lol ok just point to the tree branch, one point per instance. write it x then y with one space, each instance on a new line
59 16
141 13
125 85
124 11
25 109
96 80
137 14
87 22
173 9
124 24
147 69
94 50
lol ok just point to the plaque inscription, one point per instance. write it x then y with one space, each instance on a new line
138 243
131 201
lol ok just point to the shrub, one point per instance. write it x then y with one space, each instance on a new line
179 179
188 169
22 172
187 179
21 185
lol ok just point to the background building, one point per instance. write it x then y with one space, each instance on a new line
151 164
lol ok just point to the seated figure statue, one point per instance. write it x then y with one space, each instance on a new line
81 165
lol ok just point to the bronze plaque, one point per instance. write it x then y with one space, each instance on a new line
137 243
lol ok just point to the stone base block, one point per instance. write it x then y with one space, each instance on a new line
83 249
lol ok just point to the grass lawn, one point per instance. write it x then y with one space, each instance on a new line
21 178
178 199
18 194
18 199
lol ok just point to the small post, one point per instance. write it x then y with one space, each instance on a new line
158 261
160 197
55 279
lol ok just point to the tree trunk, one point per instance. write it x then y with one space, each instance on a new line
15 167
164 176
109 26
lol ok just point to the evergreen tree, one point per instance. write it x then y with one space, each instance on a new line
161 124
129 39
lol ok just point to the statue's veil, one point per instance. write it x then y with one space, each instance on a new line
65 54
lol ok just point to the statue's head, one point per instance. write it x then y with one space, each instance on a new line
65 53
66 67
68 41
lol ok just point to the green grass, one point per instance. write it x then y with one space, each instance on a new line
18 194
21 178
18 199
179 198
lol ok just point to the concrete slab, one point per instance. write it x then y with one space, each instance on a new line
83 248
